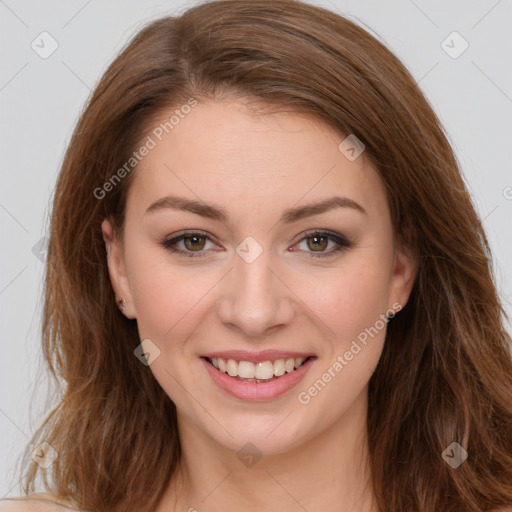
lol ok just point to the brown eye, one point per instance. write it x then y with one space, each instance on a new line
317 243
194 242
188 244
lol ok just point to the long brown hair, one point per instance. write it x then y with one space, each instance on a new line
445 374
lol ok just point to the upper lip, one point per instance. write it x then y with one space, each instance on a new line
258 357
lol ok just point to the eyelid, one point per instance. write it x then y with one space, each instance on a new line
167 243
343 243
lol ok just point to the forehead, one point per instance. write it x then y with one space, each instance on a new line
221 152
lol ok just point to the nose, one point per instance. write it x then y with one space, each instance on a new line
255 299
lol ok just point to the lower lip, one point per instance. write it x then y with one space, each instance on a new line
257 390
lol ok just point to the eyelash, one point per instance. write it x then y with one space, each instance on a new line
342 241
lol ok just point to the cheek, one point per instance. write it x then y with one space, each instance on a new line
352 309
352 297
166 297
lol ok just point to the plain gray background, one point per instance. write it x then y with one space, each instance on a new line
41 98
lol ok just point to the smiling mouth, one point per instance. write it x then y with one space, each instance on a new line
265 371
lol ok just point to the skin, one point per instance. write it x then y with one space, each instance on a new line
255 167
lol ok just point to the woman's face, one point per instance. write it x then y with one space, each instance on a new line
253 283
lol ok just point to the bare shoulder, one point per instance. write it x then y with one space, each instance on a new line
35 503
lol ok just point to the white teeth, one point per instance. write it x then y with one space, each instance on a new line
279 367
246 370
299 361
263 370
232 367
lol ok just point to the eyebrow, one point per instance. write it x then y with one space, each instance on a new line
214 212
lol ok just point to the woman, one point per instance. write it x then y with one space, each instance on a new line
267 286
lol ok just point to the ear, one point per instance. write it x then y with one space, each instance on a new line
405 269
116 267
